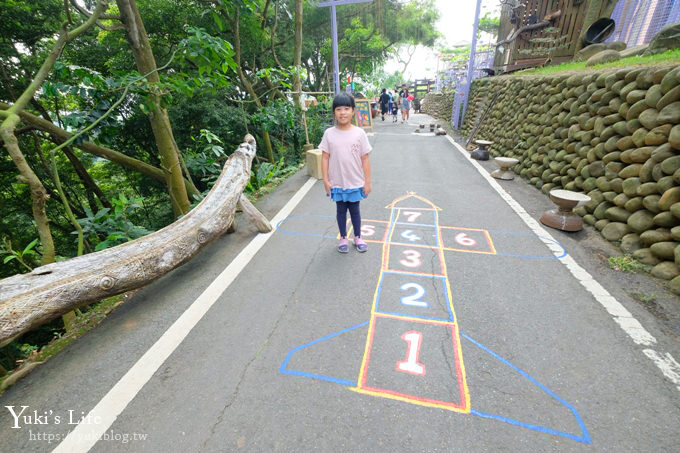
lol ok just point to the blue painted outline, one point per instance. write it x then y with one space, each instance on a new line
584 439
521 233
451 317
283 369
392 224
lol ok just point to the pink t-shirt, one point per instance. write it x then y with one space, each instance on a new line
345 149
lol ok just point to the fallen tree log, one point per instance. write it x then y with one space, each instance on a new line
28 300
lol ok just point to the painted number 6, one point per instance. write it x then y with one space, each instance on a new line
462 239
412 258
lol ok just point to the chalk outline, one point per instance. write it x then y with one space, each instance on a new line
437 277
584 438
458 352
464 394
543 239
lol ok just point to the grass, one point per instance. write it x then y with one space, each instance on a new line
644 298
672 56
626 263
84 323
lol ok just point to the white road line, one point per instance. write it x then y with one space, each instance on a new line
669 367
84 436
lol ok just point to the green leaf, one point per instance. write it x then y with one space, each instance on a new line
30 246
8 259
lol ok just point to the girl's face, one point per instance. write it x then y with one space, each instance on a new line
343 114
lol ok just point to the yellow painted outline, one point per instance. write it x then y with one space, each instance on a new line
383 268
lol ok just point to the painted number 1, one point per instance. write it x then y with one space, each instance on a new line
410 365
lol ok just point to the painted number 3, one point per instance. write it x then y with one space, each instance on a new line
410 365
412 258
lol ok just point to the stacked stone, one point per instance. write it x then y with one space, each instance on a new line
438 105
478 103
614 135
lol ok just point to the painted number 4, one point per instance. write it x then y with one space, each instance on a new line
410 365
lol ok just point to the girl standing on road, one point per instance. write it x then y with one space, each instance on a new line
346 169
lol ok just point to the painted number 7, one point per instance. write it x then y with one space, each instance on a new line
411 215
410 365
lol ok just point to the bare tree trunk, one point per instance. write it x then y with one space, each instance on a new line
298 51
11 119
60 136
89 183
160 123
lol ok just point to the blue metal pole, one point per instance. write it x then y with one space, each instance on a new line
336 59
471 62
334 34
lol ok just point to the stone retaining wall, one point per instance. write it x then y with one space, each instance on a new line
613 134
438 105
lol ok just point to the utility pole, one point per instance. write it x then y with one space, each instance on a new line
334 34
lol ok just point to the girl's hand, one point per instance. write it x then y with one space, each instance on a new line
367 188
327 186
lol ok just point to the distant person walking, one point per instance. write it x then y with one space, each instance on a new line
384 101
346 169
405 105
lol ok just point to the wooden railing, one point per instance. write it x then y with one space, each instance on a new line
29 300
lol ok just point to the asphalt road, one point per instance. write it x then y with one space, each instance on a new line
459 330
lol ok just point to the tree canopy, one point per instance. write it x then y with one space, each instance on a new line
115 130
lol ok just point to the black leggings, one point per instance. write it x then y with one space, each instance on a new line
354 213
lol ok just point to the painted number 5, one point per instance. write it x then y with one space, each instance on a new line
367 230
412 258
410 365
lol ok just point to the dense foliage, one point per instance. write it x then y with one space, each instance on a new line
216 69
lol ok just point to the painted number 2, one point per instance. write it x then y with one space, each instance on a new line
410 365
414 299
412 258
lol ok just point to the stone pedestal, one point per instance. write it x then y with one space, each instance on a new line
563 218
505 163
481 153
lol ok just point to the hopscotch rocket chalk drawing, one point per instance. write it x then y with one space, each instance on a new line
412 311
